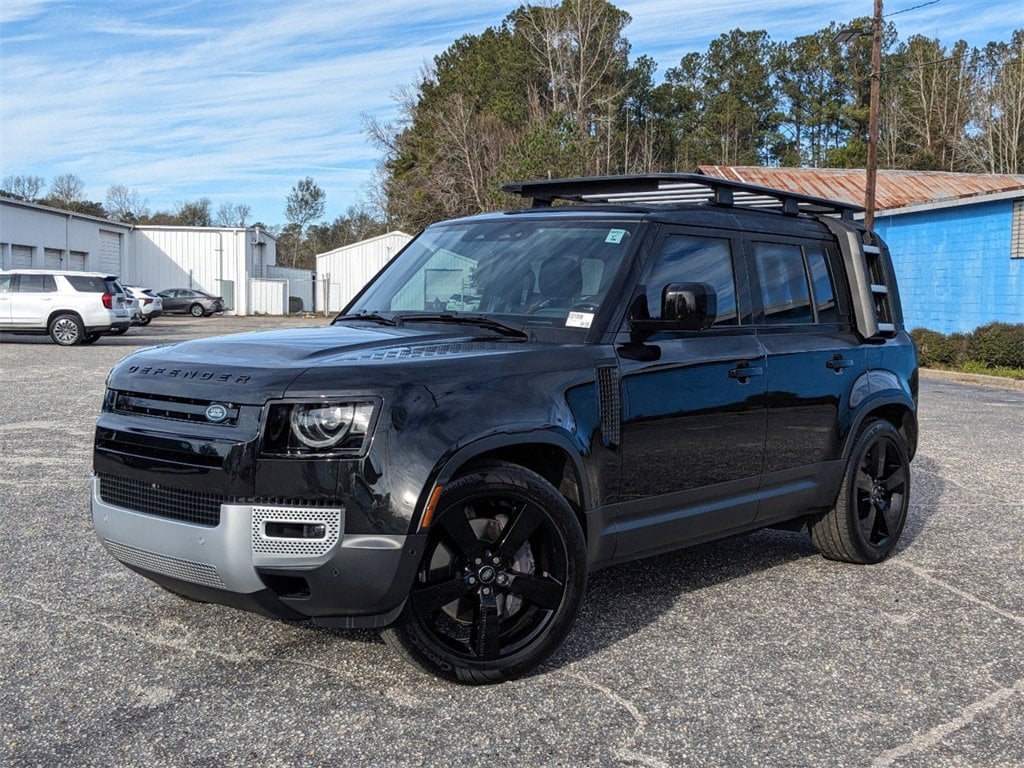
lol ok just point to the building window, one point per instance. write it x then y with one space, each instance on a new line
1017 238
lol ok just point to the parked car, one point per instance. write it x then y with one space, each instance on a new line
677 359
148 305
72 307
191 301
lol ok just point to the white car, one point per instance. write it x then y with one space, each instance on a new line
148 304
72 307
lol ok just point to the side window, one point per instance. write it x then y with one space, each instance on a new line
821 283
36 284
5 283
692 259
783 280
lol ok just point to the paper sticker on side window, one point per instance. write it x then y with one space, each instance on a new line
615 236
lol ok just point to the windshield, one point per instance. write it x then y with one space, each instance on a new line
524 270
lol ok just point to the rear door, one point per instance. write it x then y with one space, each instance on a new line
33 299
693 405
814 360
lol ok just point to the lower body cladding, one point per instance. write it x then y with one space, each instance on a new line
287 562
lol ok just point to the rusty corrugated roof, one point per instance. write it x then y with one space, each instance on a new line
896 189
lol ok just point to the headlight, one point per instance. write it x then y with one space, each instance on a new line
326 427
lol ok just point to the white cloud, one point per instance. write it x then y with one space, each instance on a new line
238 100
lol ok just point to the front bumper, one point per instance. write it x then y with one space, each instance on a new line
338 579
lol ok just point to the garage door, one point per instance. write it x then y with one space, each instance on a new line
76 260
21 256
110 252
52 258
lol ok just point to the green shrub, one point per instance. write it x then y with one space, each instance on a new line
935 350
997 345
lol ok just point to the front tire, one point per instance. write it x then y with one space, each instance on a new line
501 579
66 330
865 524
196 310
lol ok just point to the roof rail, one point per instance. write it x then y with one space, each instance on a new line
675 188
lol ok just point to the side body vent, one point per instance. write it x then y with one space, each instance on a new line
609 393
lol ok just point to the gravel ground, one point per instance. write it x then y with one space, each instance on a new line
748 652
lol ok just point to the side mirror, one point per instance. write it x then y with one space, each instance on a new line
689 306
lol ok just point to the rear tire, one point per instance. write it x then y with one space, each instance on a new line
501 581
196 310
66 330
865 524
145 320
120 331
90 338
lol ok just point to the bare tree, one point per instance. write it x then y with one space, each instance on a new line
232 214
24 187
580 46
124 204
996 143
67 189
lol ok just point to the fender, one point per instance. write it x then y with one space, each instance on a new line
884 392
450 463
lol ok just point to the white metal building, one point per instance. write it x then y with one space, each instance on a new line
227 261
237 263
39 237
343 272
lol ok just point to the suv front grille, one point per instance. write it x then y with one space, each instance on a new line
186 505
167 407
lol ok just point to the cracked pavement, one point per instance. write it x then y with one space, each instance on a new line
752 651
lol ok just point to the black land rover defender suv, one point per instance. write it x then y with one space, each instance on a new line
517 399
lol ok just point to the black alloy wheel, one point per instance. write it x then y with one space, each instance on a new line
501 579
871 511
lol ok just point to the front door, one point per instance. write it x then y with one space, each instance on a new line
693 405
5 299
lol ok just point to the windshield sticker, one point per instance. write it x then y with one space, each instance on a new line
615 236
579 319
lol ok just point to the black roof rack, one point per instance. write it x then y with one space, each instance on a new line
674 188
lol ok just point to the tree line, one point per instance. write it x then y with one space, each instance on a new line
552 92
298 241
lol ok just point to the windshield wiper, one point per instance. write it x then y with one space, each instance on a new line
372 317
505 329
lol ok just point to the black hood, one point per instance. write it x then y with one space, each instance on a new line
253 367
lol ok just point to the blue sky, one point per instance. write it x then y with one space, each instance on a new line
237 100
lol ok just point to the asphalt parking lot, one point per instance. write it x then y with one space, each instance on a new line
748 652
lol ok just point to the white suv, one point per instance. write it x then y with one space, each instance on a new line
73 307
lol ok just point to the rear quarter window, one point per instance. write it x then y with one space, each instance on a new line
85 284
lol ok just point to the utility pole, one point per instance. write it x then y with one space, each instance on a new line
876 78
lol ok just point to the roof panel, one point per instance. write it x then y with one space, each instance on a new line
896 189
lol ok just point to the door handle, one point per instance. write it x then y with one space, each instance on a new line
743 372
839 363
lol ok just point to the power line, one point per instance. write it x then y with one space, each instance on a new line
913 8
